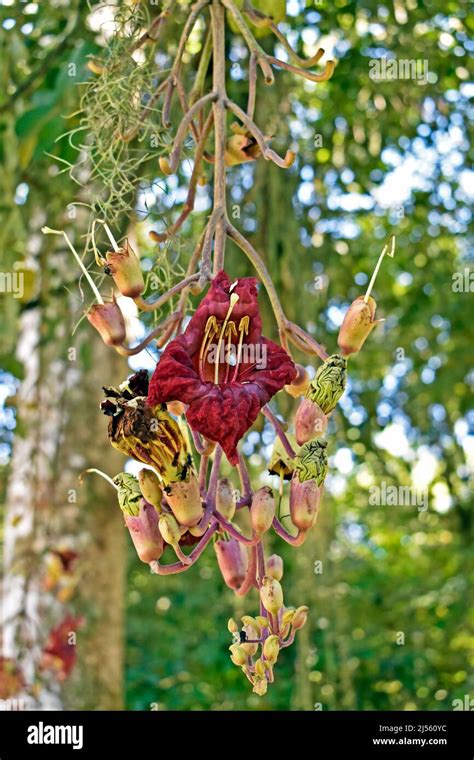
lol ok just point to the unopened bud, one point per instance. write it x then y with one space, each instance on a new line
184 499
249 620
274 567
260 686
262 621
108 321
287 617
238 655
358 323
145 533
271 594
150 487
262 510
271 649
124 266
232 559
169 529
165 166
260 667
311 462
329 383
310 421
232 626
304 502
225 498
300 618
300 384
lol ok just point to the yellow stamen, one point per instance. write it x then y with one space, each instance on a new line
231 332
244 326
211 326
233 300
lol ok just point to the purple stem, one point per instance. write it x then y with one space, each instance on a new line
244 476
232 530
203 467
279 431
178 567
250 576
293 540
216 466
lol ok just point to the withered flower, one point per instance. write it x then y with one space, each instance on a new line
124 266
329 383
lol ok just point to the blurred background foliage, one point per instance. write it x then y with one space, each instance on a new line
388 625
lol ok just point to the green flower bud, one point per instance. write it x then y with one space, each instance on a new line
328 386
150 487
169 529
311 462
238 655
271 649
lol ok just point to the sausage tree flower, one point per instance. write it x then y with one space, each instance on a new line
221 367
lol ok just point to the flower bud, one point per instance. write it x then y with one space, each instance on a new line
232 559
249 620
300 384
238 655
274 567
271 595
260 686
184 499
150 487
329 383
310 421
124 266
108 321
169 529
232 626
262 510
271 649
225 498
357 325
251 633
304 502
165 166
311 462
260 667
300 618
262 621
287 617
145 532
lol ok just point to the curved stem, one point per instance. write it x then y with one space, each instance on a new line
250 40
305 63
179 567
279 431
234 532
250 576
306 343
125 351
214 477
267 152
183 129
326 74
293 540
154 305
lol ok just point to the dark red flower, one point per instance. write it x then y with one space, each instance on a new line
221 367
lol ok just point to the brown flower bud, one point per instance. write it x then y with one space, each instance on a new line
232 559
262 510
271 594
150 487
274 567
225 498
108 321
310 421
124 266
300 618
304 502
145 532
358 323
184 499
300 384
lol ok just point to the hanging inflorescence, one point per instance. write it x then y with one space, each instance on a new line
218 373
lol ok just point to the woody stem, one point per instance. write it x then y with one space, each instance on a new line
219 88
